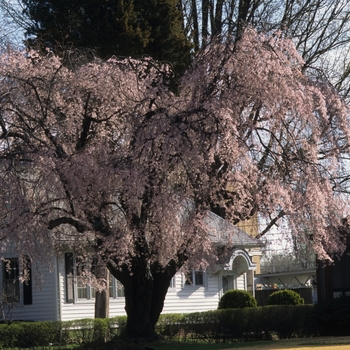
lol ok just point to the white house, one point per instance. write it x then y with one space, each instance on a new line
62 297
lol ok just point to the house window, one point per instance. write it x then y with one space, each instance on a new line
10 281
172 283
69 274
116 289
84 291
195 278
77 284
11 287
119 288
111 287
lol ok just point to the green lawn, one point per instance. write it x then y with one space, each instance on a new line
324 343
321 343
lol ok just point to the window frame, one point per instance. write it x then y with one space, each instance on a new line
72 282
191 280
23 289
172 284
117 291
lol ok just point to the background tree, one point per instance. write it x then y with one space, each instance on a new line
106 157
320 29
122 28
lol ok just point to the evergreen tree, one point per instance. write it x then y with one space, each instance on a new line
110 27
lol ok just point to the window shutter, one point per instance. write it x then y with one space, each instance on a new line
68 259
27 286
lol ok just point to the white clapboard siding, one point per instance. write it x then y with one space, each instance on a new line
44 305
241 282
85 309
82 308
49 301
183 298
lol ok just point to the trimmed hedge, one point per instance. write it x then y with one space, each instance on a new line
233 299
282 321
285 297
248 323
31 334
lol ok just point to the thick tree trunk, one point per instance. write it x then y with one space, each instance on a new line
138 306
161 285
145 292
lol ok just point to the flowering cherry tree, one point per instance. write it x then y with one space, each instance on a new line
107 158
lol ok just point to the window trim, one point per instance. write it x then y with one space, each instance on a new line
71 282
172 284
81 266
116 289
24 289
194 283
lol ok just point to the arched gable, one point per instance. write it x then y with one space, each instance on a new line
240 262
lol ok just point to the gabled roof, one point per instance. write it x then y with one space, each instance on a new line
222 231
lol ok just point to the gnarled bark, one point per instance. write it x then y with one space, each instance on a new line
145 291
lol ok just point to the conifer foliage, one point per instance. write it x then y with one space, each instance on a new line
110 27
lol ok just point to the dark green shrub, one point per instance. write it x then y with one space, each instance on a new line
287 321
169 325
250 323
93 331
38 334
29 334
9 336
234 299
86 331
254 323
117 325
285 297
78 331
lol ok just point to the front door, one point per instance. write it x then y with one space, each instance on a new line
227 283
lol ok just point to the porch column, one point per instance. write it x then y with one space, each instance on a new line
250 282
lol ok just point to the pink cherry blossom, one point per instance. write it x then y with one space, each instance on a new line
107 159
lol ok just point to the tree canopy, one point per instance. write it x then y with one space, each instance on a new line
107 158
